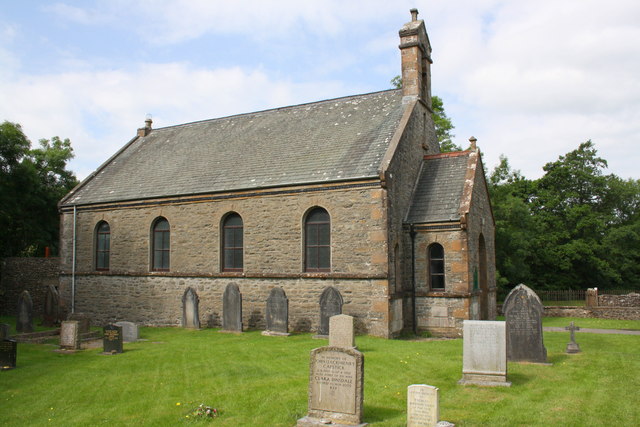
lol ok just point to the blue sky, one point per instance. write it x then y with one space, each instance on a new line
531 79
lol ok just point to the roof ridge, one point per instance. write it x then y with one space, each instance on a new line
287 107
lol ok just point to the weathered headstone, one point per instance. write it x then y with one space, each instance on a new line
572 346
84 322
592 297
112 339
232 309
24 317
51 311
341 331
336 379
330 305
4 331
484 353
8 354
523 312
277 313
130 331
70 335
422 406
190 314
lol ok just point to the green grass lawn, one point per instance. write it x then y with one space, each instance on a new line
262 381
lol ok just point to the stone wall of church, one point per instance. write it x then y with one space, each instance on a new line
273 254
157 301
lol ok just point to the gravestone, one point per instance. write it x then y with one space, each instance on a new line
70 335
277 313
112 339
51 311
130 331
84 322
330 305
190 314
24 316
8 353
592 297
484 353
422 406
572 346
335 387
341 331
4 331
232 309
523 312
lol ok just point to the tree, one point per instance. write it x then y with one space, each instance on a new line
31 183
442 122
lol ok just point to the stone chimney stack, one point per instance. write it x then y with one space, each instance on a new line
416 60
147 127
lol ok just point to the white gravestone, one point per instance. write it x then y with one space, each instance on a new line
422 406
484 353
341 331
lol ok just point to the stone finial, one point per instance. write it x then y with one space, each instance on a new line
414 14
473 141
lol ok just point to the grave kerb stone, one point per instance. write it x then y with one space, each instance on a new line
422 406
484 353
336 382
341 331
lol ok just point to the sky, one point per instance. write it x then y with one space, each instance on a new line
530 79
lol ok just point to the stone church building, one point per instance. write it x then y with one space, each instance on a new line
348 195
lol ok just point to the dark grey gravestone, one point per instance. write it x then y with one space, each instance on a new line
51 312
277 313
232 309
572 346
330 305
523 316
8 353
190 314
84 322
24 317
112 339
130 331
4 331
336 385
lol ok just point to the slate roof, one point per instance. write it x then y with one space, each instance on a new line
333 140
439 190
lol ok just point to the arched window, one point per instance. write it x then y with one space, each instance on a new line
103 243
436 267
232 243
317 242
161 245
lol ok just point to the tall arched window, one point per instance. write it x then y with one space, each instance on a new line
232 243
103 243
161 245
436 267
317 242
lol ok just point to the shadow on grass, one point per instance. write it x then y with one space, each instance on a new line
378 413
518 378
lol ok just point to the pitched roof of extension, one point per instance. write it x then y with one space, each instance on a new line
333 140
439 193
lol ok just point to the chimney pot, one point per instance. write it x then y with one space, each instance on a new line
414 14
473 141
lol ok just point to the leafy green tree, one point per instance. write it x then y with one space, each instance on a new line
442 122
32 181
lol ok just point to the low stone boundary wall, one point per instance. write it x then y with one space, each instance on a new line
619 313
31 274
628 300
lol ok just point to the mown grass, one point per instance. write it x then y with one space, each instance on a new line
262 381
